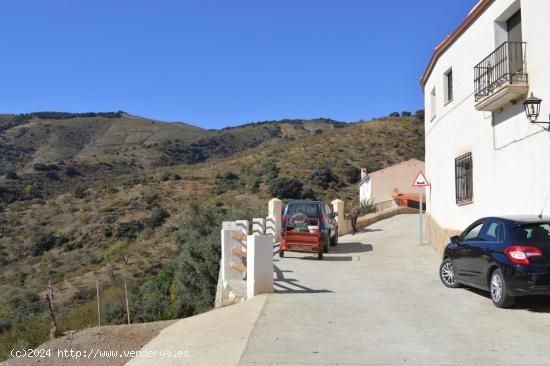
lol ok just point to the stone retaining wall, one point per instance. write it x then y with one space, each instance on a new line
370 219
437 235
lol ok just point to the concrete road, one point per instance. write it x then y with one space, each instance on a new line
376 299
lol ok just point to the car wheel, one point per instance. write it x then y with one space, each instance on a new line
447 275
334 239
320 256
499 291
281 253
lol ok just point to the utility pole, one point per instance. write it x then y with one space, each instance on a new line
420 182
127 306
54 331
98 307
421 213
50 288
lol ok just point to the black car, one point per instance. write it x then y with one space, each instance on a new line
508 256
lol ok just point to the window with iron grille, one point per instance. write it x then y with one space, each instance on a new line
464 179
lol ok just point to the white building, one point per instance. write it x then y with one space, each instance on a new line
383 186
483 156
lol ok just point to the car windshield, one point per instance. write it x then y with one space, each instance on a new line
532 233
310 210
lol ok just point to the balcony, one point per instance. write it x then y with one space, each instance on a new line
501 78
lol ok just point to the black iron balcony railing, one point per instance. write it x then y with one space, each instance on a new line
505 65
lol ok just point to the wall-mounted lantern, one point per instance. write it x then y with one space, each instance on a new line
532 109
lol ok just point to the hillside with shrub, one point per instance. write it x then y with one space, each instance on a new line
121 199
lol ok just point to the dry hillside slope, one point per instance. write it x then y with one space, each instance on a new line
70 206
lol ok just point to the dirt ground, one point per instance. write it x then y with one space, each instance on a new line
99 346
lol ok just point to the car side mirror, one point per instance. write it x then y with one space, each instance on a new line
455 239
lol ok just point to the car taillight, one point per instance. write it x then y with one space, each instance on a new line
322 218
520 254
283 218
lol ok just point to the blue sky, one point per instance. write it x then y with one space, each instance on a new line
220 63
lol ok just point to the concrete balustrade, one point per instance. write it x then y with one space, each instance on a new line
273 224
246 266
260 265
259 226
344 226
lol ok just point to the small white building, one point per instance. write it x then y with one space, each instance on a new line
483 156
383 186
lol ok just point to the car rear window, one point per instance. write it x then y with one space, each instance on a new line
532 233
311 210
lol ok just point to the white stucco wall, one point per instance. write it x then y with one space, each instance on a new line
511 170
381 185
365 191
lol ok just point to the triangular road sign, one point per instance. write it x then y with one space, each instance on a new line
420 180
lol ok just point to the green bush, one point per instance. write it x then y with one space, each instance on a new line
367 207
286 188
254 184
227 181
71 171
47 242
197 265
309 194
80 192
352 174
5 325
39 167
155 299
67 115
271 171
157 218
108 232
11 175
129 230
323 177
114 313
51 175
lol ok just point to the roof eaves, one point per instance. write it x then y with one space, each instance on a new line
449 40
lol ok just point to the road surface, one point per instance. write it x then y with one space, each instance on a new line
375 299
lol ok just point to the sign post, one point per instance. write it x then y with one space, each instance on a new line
420 181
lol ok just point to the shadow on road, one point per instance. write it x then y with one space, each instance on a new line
537 304
290 285
365 230
328 258
349 248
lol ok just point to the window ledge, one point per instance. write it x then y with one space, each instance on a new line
448 102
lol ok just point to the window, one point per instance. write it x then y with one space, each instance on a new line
492 231
449 86
532 233
310 210
464 179
432 104
473 233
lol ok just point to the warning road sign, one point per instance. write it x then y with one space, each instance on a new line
420 180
